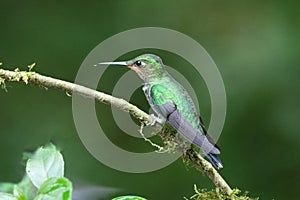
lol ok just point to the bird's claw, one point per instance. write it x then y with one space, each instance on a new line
155 120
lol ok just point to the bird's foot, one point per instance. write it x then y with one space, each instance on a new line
156 119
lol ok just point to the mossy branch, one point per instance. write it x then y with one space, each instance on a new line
190 155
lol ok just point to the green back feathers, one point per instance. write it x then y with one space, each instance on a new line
171 92
161 95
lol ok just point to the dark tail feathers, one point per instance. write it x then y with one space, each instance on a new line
214 160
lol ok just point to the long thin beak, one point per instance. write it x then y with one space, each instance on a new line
123 63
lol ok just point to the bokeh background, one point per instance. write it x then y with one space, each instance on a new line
254 43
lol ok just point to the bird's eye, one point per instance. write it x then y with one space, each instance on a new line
138 63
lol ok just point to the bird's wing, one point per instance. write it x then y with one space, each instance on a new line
210 139
162 98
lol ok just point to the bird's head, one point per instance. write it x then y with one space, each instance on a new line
147 66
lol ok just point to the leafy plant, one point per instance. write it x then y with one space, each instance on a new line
44 178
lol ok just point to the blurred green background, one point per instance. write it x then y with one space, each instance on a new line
255 44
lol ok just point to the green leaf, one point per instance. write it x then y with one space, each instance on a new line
6 196
56 188
47 162
129 198
44 197
19 193
27 187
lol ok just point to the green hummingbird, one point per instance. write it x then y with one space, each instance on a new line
172 103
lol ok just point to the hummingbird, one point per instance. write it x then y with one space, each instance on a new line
172 103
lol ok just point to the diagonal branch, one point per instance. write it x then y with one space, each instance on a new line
47 82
